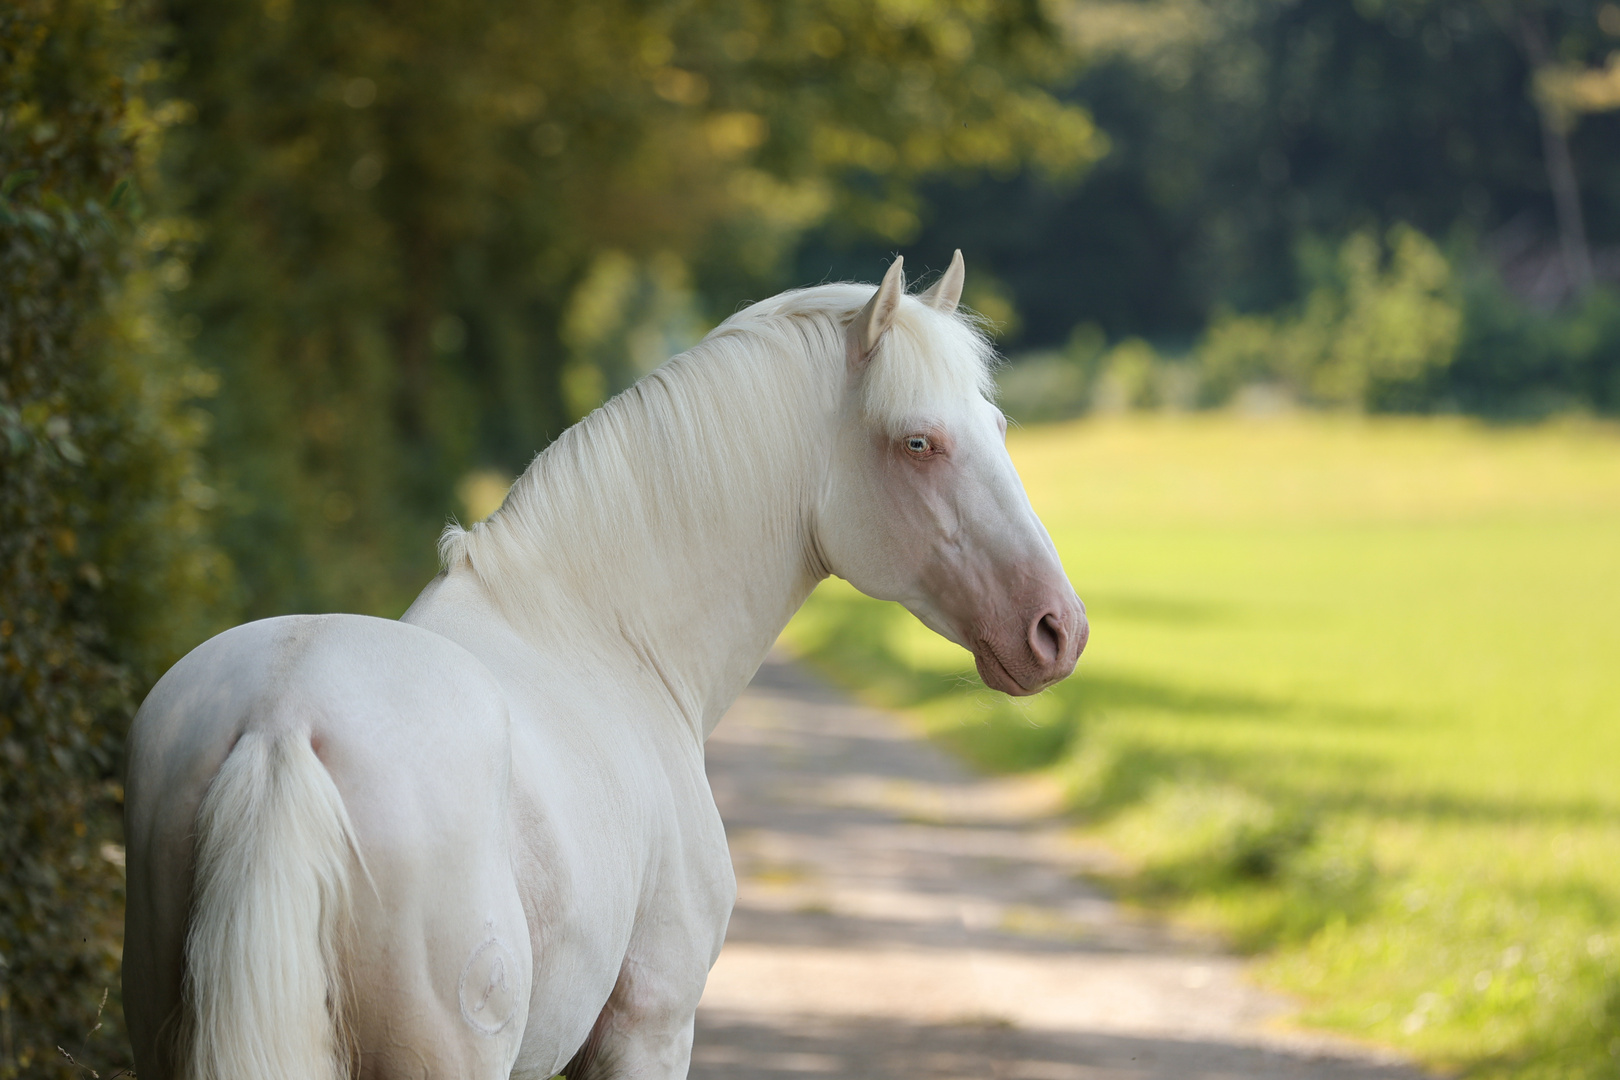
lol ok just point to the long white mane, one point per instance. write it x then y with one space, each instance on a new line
686 443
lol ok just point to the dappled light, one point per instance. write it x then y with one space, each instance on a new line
1345 701
1304 317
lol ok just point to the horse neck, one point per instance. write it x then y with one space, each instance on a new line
672 527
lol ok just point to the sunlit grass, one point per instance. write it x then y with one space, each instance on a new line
1353 696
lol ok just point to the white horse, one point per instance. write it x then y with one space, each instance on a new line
479 842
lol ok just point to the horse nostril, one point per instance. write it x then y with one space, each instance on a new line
1047 638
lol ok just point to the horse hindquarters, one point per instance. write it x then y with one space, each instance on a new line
264 983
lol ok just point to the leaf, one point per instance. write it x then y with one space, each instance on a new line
17 180
118 194
39 221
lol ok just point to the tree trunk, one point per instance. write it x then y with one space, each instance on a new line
1560 165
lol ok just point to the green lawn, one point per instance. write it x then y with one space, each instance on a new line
1352 696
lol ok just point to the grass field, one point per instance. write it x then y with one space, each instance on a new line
1352 696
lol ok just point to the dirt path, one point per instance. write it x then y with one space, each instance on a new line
900 918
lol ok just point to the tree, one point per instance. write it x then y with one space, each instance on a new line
1240 133
402 212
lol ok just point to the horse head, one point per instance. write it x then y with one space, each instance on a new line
922 504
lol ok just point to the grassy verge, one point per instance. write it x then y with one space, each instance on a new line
1352 697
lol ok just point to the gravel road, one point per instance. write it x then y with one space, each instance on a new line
900 917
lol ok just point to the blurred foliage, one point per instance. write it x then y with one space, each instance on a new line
1249 130
426 238
1517 362
1392 326
1242 135
1574 88
105 571
1373 333
368 259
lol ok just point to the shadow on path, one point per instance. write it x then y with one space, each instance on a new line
900 917
736 1049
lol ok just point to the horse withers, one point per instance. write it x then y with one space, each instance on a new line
478 842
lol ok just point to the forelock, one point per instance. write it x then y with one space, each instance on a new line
928 364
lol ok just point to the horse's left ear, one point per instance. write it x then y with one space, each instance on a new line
946 293
874 320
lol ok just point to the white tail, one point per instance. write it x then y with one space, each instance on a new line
264 982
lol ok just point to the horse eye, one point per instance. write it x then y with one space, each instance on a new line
918 444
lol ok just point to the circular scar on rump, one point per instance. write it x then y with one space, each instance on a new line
489 987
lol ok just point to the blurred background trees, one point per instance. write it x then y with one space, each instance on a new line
278 274
1247 141
279 279
430 237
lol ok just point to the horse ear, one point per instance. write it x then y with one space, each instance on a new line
874 320
946 293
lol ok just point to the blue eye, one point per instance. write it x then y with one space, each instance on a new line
918 444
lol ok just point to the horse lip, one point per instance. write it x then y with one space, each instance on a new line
990 664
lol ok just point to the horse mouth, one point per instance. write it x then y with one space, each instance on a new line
995 673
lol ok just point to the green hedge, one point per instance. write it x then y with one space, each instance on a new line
104 572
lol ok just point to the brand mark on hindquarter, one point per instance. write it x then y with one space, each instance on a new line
489 987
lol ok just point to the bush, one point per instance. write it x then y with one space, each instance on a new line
1516 362
1379 330
104 573
1389 326
1376 330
